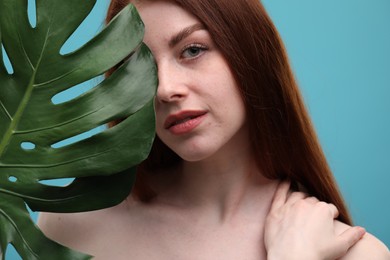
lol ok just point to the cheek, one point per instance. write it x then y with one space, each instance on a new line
230 98
159 125
234 107
158 119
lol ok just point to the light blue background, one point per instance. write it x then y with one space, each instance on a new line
340 52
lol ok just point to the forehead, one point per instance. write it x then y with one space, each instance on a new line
164 17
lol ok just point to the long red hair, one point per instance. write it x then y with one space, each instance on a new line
284 140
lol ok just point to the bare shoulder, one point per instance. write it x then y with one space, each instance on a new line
66 228
369 247
80 231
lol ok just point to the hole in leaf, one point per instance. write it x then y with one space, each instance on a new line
11 253
12 179
74 92
79 137
33 214
6 61
32 13
87 29
57 182
27 145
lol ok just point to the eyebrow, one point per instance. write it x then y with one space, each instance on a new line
185 32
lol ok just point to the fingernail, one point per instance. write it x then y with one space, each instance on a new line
362 231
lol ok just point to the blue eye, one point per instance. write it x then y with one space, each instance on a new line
192 51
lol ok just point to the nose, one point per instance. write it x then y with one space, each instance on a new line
171 83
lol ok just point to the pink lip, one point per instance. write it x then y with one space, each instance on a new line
184 121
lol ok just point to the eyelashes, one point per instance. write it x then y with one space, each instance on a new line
193 51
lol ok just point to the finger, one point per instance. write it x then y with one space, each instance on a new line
312 200
334 210
347 239
296 196
280 195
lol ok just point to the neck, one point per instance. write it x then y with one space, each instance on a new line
224 186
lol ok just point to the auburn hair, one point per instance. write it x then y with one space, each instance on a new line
284 141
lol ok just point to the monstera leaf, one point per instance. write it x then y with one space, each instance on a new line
102 165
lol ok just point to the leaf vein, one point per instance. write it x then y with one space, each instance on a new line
54 79
25 52
54 126
35 198
18 231
22 106
32 166
5 110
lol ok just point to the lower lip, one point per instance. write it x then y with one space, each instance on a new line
186 127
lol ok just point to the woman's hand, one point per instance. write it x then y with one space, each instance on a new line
301 227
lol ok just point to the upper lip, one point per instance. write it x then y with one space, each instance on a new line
173 118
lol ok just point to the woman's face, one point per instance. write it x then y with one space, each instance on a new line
199 110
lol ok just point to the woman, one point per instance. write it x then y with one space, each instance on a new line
231 125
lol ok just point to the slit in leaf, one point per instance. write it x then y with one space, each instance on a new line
63 182
6 61
75 91
86 31
11 253
32 13
79 137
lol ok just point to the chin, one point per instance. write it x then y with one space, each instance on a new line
195 155
193 158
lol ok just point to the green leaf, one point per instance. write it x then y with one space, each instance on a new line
102 165
17 227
